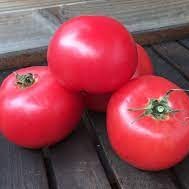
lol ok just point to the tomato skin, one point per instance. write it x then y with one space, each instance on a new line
147 143
39 115
95 54
99 103
144 66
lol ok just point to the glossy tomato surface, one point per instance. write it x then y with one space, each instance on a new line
95 54
99 103
146 142
38 115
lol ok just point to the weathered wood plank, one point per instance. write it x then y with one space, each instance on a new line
164 69
181 173
76 164
23 39
4 74
184 42
174 54
28 25
162 34
21 168
125 176
17 5
137 15
19 59
24 30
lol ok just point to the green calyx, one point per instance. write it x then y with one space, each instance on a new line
25 80
158 109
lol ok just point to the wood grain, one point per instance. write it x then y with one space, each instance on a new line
4 74
176 55
21 168
76 165
19 59
24 37
23 30
137 15
184 42
166 70
28 25
19 5
155 36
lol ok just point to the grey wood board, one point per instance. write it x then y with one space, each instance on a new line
4 74
24 30
27 29
19 5
181 172
21 168
125 175
137 15
76 165
174 54
164 69
19 59
184 42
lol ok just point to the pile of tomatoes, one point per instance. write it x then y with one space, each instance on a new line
94 63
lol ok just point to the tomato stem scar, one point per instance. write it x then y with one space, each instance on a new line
25 80
157 108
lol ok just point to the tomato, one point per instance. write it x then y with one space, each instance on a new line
144 66
95 54
147 123
35 111
99 103
96 102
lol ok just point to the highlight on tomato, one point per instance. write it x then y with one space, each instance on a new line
35 110
147 123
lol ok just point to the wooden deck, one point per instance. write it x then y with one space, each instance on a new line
138 15
27 25
85 159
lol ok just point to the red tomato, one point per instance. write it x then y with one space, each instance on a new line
99 103
95 54
155 136
144 66
35 110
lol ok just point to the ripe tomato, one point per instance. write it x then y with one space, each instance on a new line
147 123
99 103
95 54
35 110
144 66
